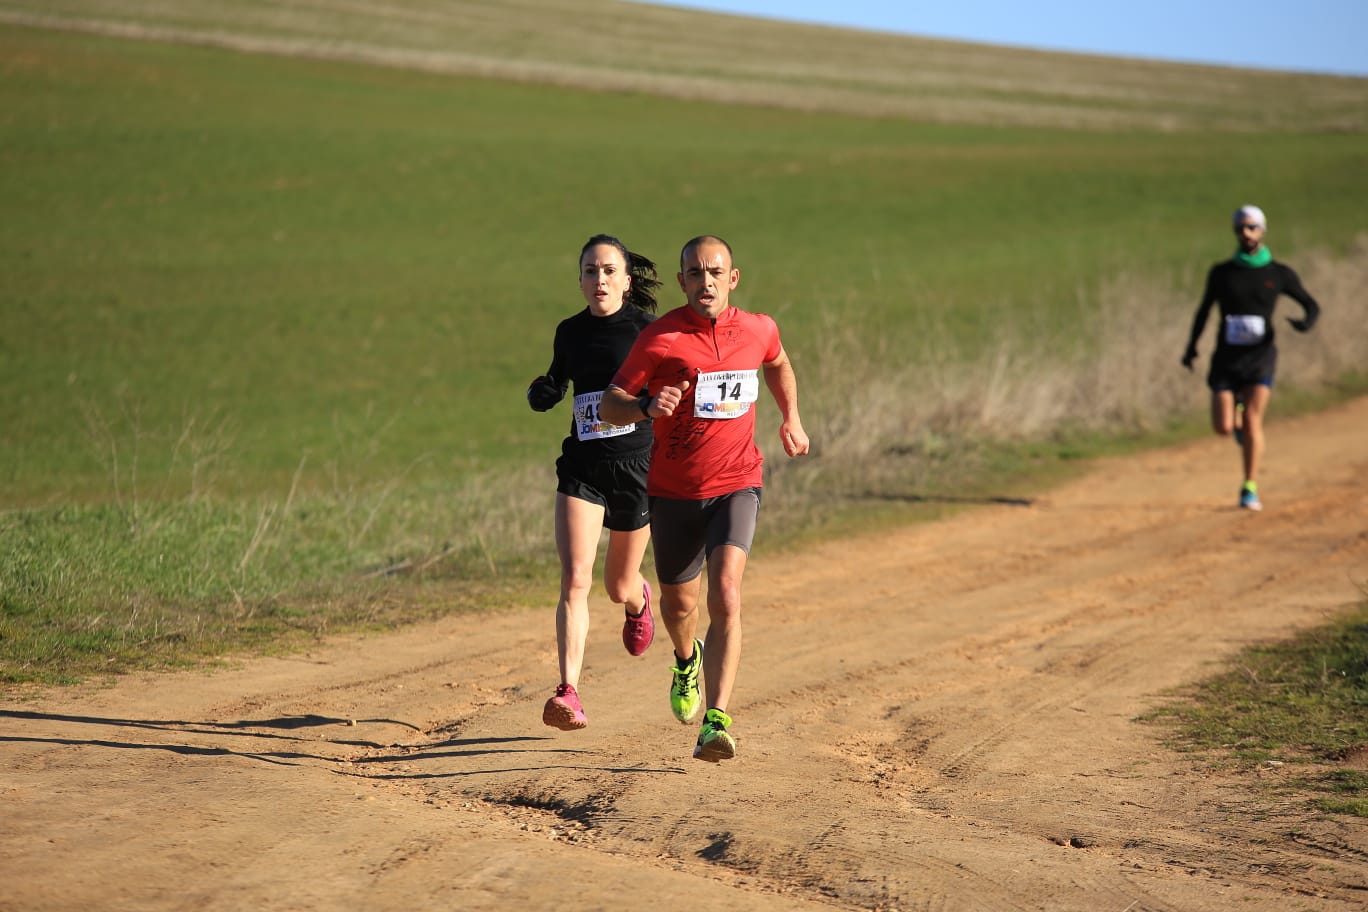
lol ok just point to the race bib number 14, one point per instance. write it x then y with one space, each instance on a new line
726 394
588 424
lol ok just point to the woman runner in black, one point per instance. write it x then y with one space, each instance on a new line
1246 287
601 473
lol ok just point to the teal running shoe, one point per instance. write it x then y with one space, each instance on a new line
714 744
685 699
1249 497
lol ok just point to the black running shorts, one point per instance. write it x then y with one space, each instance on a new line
617 485
1236 372
1231 381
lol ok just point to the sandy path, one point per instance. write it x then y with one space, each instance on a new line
937 719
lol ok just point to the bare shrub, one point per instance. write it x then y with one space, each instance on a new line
889 422
885 422
881 423
1339 343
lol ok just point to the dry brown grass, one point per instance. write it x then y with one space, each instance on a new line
899 420
751 61
894 424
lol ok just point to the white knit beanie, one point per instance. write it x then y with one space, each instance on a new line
1251 214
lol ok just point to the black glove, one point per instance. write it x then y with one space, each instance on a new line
1300 326
1189 356
543 393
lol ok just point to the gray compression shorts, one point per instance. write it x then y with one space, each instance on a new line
684 532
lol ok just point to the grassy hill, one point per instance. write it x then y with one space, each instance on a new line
631 47
268 317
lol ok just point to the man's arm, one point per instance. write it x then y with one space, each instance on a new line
621 407
1292 286
783 386
1199 321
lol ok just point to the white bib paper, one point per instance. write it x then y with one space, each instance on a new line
726 394
1244 329
588 424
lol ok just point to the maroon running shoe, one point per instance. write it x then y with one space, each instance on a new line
639 631
564 711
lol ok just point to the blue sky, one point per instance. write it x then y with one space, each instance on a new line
1321 36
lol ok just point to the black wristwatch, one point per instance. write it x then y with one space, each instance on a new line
644 403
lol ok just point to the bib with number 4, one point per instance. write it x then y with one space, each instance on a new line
588 424
726 394
1244 329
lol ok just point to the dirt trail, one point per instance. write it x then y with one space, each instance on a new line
936 719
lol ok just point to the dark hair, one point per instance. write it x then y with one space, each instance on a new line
702 239
641 292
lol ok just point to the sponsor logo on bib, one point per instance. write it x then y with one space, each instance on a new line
588 424
726 394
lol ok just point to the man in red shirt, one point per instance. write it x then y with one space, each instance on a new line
701 365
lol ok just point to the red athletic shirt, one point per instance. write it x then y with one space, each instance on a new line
695 457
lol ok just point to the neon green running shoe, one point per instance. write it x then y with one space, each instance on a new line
685 699
714 744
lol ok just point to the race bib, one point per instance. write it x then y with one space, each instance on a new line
1244 329
726 394
588 424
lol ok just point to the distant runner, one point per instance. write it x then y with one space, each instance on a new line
701 366
1246 287
601 473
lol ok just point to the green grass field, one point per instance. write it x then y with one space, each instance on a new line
666 51
309 260
267 321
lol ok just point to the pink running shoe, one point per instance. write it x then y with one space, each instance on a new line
639 631
564 711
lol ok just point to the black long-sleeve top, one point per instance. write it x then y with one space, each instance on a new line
586 353
1243 292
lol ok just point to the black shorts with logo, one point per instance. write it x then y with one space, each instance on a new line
617 485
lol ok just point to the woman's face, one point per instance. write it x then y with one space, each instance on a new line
603 279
